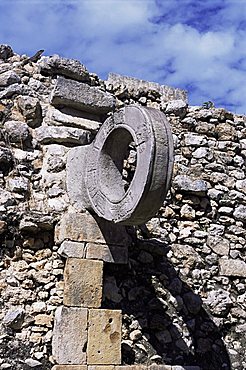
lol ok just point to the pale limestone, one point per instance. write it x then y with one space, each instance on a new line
107 253
70 336
84 227
83 281
69 367
101 367
104 337
72 249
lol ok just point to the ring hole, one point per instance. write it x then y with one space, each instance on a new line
117 163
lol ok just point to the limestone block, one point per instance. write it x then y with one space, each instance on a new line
72 249
232 267
84 227
132 367
69 367
83 281
81 96
104 337
62 135
101 367
70 336
70 117
56 65
107 253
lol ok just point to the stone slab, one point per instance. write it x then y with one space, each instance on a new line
104 337
70 336
70 249
107 253
86 228
69 367
57 117
62 135
81 96
231 267
83 281
101 367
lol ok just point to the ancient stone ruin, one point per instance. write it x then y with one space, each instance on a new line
122 223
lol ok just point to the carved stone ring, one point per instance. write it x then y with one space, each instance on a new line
102 182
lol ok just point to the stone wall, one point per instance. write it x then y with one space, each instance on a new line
182 290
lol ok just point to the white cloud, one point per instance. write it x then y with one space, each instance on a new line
190 43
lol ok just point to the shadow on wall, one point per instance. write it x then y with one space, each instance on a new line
163 319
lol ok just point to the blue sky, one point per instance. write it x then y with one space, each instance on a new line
196 45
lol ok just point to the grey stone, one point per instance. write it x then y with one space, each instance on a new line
192 139
240 213
241 186
70 249
9 78
18 184
111 290
102 180
219 302
6 51
84 121
185 183
107 253
70 335
14 318
219 245
30 362
17 131
70 68
14 90
177 107
31 109
232 267
81 96
62 135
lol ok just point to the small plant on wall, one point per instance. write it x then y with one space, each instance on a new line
208 104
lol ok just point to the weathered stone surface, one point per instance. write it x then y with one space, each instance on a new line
70 249
14 318
72 118
240 213
107 253
219 245
185 183
5 51
69 367
15 89
70 68
17 131
101 367
83 283
117 83
177 107
70 336
84 227
31 109
8 78
62 135
219 302
81 96
232 267
104 337
102 179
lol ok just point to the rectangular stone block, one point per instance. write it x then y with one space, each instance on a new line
81 96
86 228
160 367
72 249
107 253
104 337
83 280
131 367
70 336
231 267
101 367
69 367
